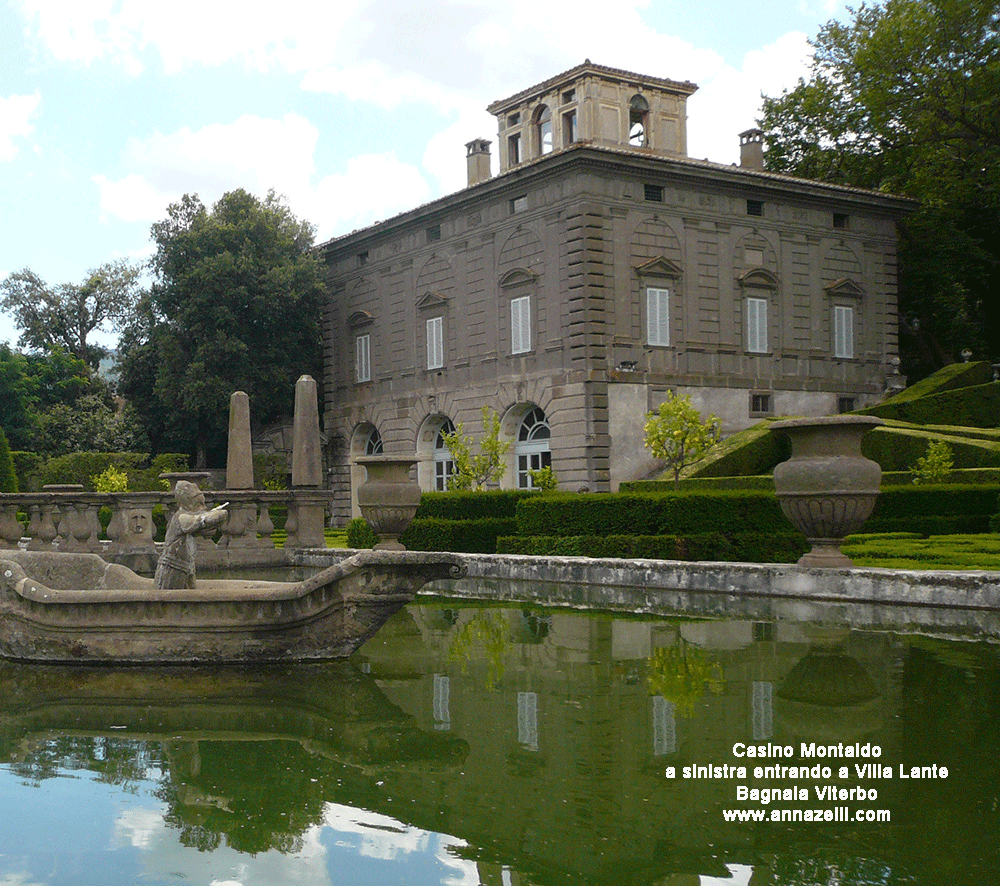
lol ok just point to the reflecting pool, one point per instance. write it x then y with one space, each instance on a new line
472 745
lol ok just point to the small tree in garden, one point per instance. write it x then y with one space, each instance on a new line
475 471
935 465
678 434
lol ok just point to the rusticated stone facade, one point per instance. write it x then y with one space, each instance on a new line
575 288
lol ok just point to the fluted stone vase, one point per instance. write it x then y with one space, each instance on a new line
388 498
827 489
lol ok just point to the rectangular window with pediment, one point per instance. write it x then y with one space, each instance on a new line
658 316
362 358
843 332
520 324
757 325
435 343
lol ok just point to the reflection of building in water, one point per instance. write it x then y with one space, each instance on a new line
538 742
546 707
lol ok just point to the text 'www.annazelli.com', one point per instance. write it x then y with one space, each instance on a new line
838 813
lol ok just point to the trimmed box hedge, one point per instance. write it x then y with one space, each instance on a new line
692 484
735 547
458 536
948 378
939 509
936 500
481 505
752 452
897 449
680 513
977 406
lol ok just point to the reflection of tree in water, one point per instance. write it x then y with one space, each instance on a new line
260 795
814 870
120 762
486 634
682 674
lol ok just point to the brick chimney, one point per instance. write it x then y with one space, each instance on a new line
752 149
479 160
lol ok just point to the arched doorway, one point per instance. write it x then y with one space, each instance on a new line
531 447
366 440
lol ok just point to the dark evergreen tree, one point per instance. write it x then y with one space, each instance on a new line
235 306
903 98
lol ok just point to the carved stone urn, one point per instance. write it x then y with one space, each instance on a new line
827 489
388 498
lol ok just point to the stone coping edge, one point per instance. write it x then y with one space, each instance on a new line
886 587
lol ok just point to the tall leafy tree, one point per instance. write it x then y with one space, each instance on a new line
903 99
235 305
18 398
64 316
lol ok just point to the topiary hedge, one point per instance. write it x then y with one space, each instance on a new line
977 406
897 449
472 505
938 500
752 452
459 536
955 375
691 484
942 509
681 513
729 547
80 467
360 534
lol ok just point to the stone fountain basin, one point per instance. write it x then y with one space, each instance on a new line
59 607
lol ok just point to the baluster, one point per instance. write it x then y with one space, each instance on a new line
10 527
116 525
45 536
34 524
265 526
292 526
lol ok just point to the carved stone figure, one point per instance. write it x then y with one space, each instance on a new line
176 566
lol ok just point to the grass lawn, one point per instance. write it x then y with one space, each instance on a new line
901 550
335 538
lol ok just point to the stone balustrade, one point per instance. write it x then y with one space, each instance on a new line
67 519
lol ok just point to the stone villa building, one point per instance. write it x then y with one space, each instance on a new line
599 269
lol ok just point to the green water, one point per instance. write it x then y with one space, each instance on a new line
470 745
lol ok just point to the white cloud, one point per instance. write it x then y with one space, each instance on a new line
444 156
137 827
16 113
380 836
730 102
371 188
259 154
183 33
374 83
253 152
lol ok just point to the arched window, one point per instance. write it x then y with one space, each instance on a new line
444 466
373 445
532 447
543 126
638 119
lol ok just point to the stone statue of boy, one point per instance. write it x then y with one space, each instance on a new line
176 566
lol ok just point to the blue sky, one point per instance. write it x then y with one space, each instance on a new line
354 110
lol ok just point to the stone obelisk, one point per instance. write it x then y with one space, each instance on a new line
240 530
307 468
